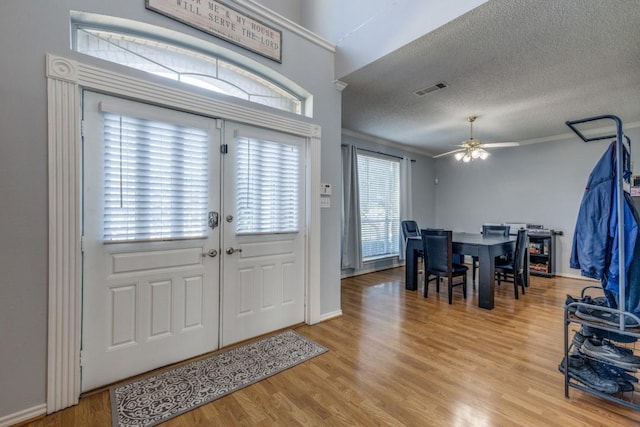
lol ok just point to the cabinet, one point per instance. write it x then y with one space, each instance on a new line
542 253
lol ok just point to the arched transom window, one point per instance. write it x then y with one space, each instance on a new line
189 66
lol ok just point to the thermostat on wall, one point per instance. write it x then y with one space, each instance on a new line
325 189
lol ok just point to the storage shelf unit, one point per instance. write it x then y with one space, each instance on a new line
542 253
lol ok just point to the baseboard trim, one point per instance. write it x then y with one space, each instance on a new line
24 415
332 315
577 277
344 275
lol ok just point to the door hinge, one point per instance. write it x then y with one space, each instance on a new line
224 148
82 128
218 123
81 358
82 243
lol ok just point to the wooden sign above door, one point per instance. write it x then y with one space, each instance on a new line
224 22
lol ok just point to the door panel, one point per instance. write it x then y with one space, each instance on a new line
263 277
146 302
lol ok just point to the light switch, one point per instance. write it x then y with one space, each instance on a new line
325 202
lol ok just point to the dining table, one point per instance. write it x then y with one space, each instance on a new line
486 248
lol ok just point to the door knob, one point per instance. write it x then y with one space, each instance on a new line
231 250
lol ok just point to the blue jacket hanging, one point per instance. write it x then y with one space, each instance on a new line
595 240
589 252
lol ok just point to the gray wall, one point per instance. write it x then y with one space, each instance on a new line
289 9
30 29
539 183
423 189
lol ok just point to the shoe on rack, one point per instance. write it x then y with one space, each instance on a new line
579 370
619 372
578 339
570 300
589 331
597 301
603 371
606 352
593 313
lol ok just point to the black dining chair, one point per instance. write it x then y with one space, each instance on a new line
438 249
410 229
489 230
513 270
457 258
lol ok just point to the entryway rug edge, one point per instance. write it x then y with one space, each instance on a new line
290 337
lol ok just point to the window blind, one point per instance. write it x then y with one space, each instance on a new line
155 180
379 191
267 186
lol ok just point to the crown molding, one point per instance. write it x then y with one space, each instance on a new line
386 142
340 85
258 9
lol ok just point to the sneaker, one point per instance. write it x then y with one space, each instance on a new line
598 301
609 353
580 371
589 331
603 371
578 339
592 313
619 372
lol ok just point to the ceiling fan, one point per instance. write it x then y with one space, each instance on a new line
474 148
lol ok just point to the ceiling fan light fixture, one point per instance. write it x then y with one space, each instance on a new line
472 148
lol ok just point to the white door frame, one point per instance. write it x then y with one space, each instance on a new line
66 79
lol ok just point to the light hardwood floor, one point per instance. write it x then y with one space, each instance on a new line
396 358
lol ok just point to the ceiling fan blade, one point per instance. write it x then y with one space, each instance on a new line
500 144
448 153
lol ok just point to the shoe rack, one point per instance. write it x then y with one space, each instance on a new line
574 326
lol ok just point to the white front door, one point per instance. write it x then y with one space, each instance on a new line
150 262
264 232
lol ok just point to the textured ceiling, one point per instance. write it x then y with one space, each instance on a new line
523 67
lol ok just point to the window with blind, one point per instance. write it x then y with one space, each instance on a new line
379 191
155 180
267 186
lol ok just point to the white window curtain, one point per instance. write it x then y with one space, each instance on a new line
406 198
351 244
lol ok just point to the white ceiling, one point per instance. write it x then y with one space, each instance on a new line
523 67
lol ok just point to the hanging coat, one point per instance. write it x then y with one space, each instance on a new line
612 278
590 238
595 241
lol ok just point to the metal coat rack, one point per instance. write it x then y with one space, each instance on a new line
621 150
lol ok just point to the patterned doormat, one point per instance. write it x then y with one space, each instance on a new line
154 399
